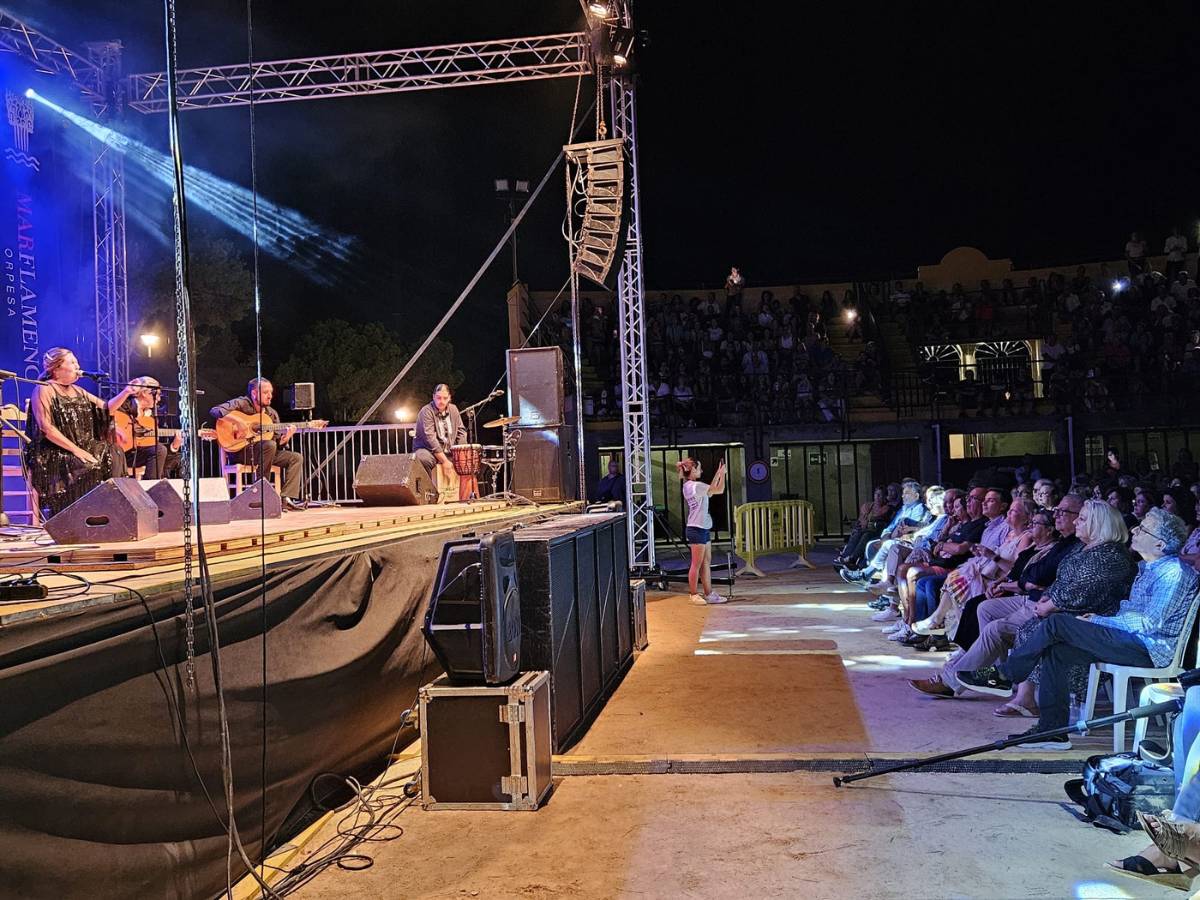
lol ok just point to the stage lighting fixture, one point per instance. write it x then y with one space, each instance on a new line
501 185
599 10
403 414
522 187
851 315
622 45
150 341
30 93
1118 286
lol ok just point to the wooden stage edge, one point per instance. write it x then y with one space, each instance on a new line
155 565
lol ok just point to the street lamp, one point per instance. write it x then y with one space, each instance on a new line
402 413
514 192
150 341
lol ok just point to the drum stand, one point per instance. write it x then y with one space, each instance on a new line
509 441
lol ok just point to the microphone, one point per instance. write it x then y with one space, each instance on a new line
97 376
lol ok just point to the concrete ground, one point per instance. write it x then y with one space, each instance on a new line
792 672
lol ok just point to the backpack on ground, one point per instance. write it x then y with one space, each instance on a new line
1116 787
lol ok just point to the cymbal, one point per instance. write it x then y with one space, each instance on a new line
502 421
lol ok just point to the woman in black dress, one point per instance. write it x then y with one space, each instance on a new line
69 450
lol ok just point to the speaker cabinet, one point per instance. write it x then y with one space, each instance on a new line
601 188
258 501
302 395
576 620
167 495
393 479
544 468
535 385
473 623
114 510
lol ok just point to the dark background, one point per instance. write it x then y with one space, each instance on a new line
797 143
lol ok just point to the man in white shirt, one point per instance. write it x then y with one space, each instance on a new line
1135 255
1176 250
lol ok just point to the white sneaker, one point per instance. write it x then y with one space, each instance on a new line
714 597
895 626
886 615
926 627
697 599
900 634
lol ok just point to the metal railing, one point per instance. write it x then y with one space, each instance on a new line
776 526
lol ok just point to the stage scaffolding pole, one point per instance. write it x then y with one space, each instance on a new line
631 301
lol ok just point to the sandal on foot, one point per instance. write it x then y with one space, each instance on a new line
1140 867
1012 710
1176 838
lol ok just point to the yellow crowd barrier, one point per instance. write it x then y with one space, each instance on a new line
777 526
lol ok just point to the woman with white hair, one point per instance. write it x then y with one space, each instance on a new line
1094 579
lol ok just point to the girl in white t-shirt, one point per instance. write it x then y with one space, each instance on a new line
699 525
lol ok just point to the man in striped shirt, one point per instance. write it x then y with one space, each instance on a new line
1144 632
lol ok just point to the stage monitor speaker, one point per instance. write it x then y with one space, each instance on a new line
601 187
167 495
258 501
473 623
302 395
393 479
114 510
544 467
535 386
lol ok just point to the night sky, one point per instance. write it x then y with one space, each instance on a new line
825 141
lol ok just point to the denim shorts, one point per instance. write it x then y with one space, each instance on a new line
696 535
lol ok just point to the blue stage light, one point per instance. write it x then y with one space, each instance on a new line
30 93
325 257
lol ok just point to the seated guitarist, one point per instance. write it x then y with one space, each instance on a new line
266 453
160 458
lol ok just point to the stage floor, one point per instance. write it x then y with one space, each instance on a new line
155 565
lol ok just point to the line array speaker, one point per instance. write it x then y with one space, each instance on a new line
600 185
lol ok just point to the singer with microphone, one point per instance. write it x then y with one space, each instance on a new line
70 448
439 427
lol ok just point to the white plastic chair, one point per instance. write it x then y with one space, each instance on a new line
1159 692
1121 676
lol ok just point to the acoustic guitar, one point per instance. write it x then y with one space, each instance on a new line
130 432
237 430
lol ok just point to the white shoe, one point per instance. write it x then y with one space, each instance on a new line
714 597
900 634
926 627
895 626
886 615
697 599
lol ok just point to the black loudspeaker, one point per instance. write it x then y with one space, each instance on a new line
473 623
258 501
302 395
114 510
535 385
167 495
393 479
544 467
600 187
576 620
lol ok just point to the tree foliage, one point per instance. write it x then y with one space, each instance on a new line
351 364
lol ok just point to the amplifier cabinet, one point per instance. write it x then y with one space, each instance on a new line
486 747
641 634
576 619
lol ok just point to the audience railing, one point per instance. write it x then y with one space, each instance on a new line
777 526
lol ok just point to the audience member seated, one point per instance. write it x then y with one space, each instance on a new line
910 517
872 519
1143 632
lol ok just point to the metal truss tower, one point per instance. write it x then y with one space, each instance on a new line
108 225
631 302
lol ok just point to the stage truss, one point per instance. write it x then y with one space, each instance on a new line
351 75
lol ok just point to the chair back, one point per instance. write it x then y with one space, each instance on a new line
1186 649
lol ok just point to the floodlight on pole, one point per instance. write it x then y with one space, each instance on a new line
150 341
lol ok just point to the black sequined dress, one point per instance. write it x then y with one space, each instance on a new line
59 477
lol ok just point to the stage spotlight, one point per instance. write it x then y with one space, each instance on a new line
622 45
851 315
30 93
501 185
599 10
149 341
403 414
1118 286
522 187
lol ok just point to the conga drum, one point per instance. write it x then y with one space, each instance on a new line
466 463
